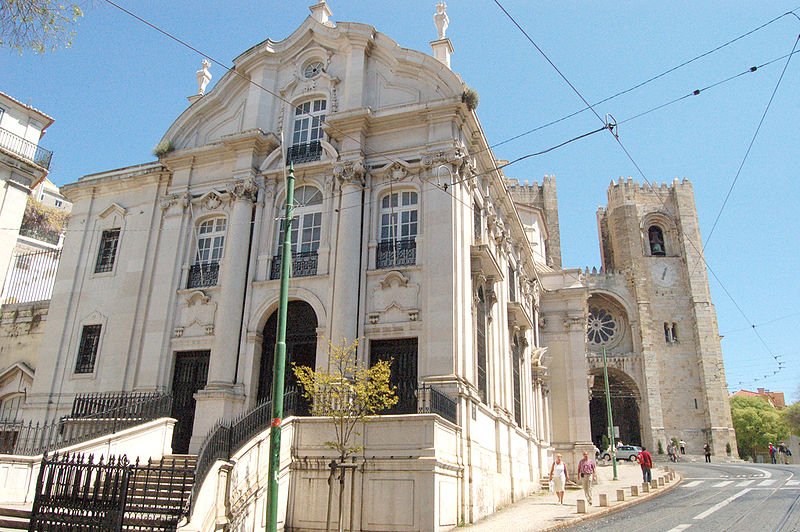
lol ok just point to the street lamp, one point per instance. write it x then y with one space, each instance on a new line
610 418
279 366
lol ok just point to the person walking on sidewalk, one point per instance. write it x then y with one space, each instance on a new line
559 476
587 470
707 451
645 460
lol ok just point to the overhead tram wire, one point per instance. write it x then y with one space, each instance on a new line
752 141
647 81
633 161
228 69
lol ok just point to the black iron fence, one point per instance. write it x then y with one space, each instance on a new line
394 253
431 400
31 276
25 148
203 274
303 265
124 411
227 437
77 492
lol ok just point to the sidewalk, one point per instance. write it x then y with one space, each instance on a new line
541 510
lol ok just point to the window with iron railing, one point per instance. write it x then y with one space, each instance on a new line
307 132
87 350
107 254
210 248
398 230
305 234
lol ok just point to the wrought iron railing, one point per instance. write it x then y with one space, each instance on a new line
393 253
28 438
303 265
431 400
51 236
304 153
25 148
203 274
31 276
125 405
227 437
80 492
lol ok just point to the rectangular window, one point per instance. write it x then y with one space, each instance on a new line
512 284
87 351
59 203
670 332
516 362
477 222
108 251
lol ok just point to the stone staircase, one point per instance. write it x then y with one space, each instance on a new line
14 518
158 493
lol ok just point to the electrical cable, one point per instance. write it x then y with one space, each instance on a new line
633 161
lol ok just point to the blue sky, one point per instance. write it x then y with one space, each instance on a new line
116 91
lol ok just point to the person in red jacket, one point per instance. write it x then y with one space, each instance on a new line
645 460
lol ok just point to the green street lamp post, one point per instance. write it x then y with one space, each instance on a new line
610 418
279 366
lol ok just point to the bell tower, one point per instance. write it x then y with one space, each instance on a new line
650 244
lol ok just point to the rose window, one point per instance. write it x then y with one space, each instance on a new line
602 326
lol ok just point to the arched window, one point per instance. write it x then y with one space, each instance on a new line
480 333
305 234
655 237
307 131
398 230
10 407
210 249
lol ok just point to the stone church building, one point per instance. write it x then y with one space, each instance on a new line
407 236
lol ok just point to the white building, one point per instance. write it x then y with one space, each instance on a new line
406 235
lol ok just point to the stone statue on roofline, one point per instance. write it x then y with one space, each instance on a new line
203 77
441 19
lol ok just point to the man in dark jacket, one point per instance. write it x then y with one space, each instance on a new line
645 460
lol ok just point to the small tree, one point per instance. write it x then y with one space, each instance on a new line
660 447
347 393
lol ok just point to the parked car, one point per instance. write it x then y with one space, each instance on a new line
624 452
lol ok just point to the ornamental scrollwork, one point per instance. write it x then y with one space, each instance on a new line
350 172
244 189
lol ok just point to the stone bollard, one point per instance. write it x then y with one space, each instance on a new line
634 491
654 484
581 506
660 482
621 495
645 487
603 499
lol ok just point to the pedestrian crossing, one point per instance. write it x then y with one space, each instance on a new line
752 482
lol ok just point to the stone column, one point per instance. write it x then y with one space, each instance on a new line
347 258
222 398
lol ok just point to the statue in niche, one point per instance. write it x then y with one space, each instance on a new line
441 19
203 77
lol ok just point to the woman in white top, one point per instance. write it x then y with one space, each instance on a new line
559 476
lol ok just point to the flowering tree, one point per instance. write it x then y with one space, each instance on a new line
347 393
37 25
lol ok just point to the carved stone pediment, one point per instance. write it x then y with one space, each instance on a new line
196 316
394 299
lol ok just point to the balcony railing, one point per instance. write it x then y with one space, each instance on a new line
204 274
25 148
31 277
303 265
304 153
396 253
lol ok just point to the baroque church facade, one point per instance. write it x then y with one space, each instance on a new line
407 236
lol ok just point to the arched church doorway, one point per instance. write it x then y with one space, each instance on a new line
301 349
624 407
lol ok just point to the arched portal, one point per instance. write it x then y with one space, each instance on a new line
625 403
301 348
